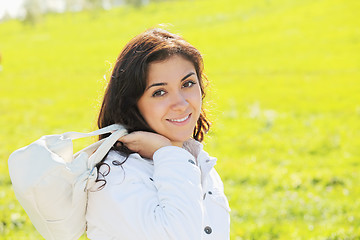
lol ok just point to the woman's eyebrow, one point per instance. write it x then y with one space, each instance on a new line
155 85
163 83
188 75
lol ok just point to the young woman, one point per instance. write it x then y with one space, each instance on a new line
157 182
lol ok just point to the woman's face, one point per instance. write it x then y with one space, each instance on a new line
171 103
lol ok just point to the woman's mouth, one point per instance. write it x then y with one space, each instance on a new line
179 120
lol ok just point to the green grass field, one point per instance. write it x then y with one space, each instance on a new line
284 98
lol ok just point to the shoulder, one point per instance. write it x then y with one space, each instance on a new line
115 158
216 179
119 168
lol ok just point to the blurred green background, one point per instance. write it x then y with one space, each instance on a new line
284 98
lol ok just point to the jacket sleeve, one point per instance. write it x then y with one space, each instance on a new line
166 206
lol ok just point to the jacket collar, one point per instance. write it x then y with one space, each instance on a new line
204 161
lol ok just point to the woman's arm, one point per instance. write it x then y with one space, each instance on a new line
167 206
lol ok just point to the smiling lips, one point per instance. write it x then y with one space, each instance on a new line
181 120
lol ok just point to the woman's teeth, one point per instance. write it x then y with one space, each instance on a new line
179 120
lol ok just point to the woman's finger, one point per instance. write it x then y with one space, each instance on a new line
129 137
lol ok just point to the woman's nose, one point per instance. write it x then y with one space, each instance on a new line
179 102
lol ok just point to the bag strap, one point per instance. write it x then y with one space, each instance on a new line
107 129
104 148
116 130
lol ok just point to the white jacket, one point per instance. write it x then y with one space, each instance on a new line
168 198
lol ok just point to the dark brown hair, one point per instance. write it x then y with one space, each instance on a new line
128 81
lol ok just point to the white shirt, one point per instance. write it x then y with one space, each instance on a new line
167 198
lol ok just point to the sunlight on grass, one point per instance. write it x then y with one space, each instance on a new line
284 100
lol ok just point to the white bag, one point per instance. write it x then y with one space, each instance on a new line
51 183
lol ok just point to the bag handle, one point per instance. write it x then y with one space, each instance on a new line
116 130
107 129
105 147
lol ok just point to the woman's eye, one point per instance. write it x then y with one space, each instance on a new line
158 93
188 84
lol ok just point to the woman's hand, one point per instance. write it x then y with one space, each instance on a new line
144 143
